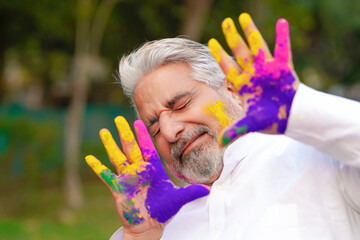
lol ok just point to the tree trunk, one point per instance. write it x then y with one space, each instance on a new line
88 42
73 122
101 19
196 14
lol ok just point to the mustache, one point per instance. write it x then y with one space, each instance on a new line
178 147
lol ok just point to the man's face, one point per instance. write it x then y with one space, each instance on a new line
175 108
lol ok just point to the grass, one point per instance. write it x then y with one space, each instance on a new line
36 214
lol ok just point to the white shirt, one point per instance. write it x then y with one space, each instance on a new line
274 187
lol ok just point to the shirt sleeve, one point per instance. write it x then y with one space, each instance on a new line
348 180
329 123
118 235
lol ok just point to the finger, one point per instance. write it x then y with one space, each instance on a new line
253 36
167 200
130 146
105 174
228 65
145 142
236 43
232 132
117 158
149 151
282 52
221 57
194 191
244 79
258 119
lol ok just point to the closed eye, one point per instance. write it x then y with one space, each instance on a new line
182 106
158 131
154 131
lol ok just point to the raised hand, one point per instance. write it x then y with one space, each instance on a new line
144 195
266 84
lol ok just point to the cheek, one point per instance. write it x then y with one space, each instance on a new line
217 111
163 147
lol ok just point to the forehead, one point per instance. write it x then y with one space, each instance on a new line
155 89
172 76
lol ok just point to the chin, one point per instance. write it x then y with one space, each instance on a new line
199 165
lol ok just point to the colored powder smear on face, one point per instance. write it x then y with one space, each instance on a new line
269 83
217 109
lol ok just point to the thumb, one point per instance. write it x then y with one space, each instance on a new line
258 119
163 205
193 192
234 131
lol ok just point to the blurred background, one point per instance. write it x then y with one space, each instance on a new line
58 61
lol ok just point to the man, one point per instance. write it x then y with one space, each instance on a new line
262 186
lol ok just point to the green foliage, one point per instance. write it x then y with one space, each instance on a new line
325 34
41 216
31 167
39 37
31 142
31 145
325 37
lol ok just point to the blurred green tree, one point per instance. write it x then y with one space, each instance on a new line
62 54
92 19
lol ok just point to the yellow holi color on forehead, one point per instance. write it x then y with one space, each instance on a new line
218 110
95 164
230 32
215 49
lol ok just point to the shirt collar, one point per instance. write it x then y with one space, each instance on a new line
236 153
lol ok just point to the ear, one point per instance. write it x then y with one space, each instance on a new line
230 91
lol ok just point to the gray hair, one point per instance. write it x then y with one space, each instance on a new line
154 54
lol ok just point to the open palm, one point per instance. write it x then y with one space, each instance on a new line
144 195
266 84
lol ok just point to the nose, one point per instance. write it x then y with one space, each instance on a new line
170 127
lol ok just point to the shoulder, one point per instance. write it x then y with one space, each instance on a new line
118 235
